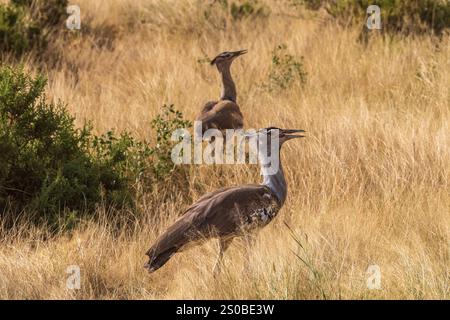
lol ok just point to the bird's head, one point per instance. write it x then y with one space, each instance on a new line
269 141
283 135
225 58
269 134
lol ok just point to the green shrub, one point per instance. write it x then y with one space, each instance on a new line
237 9
48 165
29 24
248 8
14 32
414 16
285 70
165 124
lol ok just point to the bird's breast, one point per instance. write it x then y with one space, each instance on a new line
259 217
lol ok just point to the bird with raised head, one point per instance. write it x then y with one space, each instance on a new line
225 113
229 212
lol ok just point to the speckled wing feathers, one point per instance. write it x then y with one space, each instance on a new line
224 213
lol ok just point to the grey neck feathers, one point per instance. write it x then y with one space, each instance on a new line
228 87
275 182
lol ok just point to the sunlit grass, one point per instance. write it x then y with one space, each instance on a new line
369 185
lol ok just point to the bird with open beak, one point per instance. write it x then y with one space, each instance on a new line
228 212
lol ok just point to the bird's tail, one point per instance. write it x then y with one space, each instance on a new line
158 259
170 242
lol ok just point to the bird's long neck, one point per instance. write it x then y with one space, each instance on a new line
228 86
275 182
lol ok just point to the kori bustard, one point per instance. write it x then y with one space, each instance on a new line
225 113
228 212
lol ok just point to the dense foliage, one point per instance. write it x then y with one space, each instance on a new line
29 24
285 70
412 16
49 165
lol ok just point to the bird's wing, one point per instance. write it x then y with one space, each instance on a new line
221 213
208 106
183 230
224 114
225 212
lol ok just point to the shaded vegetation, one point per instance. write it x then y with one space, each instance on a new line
30 24
286 69
49 165
414 16
237 10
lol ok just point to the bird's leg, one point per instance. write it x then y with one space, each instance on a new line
223 246
249 243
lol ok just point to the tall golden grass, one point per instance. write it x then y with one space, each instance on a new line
368 186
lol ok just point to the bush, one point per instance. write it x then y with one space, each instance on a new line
28 24
237 10
285 70
414 16
14 33
48 165
248 9
165 124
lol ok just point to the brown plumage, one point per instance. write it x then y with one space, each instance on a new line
225 113
221 115
224 214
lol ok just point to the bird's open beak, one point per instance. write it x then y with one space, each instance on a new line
290 133
239 53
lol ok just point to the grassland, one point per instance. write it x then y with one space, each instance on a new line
369 185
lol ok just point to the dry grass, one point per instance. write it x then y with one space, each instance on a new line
370 184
